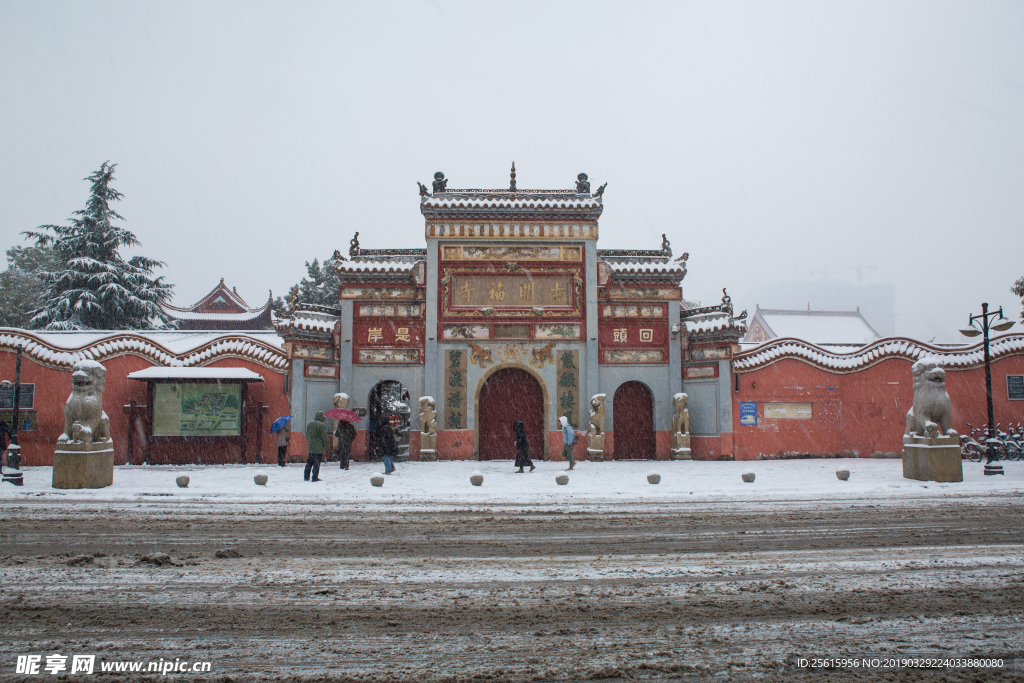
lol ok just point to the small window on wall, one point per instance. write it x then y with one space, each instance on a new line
511 331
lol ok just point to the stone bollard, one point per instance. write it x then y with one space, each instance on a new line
748 477
562 479
182 482
377 480
476 478
843 475
260 479
653 478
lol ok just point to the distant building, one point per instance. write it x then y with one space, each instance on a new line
877 302
221 309
821 328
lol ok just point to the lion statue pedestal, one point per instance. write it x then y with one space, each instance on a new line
681 428
428 429
931 450
84 455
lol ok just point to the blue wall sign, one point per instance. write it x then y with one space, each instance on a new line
748 413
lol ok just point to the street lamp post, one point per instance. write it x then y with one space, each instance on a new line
1001 325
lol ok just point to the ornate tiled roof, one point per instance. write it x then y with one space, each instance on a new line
499 204
890 347
222 309
174 349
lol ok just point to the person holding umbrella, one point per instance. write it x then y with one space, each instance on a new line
280 426
345 432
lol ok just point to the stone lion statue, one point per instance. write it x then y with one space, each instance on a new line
932 409
597 415
84 419
428 415
681 419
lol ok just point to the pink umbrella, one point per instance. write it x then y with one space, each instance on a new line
343 414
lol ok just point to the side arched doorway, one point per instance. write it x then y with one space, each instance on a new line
387 398
633 422
507 395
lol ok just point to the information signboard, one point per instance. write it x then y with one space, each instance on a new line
197 409
26 400
748 413
1015 387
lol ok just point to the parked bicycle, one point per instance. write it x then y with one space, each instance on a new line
1007 445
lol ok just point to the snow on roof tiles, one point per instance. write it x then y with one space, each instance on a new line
166 348
305 323
890 347
714 324
505 199
197 373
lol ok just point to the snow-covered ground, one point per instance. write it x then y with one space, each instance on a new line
448 483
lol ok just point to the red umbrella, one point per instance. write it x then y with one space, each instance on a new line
343 414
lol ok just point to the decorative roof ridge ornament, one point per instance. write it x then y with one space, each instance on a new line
723 309
423 189
512 178
440 183
600 191
582 183
666 248
358 254
684 258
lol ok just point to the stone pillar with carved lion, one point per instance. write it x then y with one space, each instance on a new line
931 448
595 438
428 429
84 455
681 428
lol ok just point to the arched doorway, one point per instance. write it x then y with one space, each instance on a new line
507 395
387 398
633 422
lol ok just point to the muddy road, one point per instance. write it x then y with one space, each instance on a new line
611 592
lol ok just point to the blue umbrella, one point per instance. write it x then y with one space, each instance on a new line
280 422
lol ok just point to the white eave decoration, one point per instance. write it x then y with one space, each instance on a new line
195 374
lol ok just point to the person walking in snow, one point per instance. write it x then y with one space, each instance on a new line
388 445
316 443
345 434
282 446
522 447
568 441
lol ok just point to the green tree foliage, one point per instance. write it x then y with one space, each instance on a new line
21 285
1018 289
91 286
320 287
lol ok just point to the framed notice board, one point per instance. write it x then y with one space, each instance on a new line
1015 387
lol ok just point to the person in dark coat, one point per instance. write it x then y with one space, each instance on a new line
522 447
316 442
345 434
387 444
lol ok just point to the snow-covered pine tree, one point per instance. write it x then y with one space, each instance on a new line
92 287
320 287
21 285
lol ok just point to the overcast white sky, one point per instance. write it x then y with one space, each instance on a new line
770 140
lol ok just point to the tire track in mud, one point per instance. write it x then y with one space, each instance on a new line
616 593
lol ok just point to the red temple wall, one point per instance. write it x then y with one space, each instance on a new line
53 386
860 412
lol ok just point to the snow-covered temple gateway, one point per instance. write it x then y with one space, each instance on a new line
511 312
